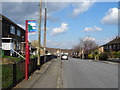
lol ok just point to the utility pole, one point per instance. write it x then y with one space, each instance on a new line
39 33
45 30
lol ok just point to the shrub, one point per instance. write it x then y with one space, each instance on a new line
33 56
115 54
13 58
90 56
118 54
96 54
103 56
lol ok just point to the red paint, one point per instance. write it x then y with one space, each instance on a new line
27 53
27 61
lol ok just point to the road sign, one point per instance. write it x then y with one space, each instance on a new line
32 26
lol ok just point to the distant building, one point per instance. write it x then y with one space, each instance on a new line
113 45
59 51
101 49
13 37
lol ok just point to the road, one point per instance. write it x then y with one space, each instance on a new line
77 73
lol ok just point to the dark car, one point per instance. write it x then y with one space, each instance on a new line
64 57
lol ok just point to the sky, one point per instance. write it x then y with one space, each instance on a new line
67 22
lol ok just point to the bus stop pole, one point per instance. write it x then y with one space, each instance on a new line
27 52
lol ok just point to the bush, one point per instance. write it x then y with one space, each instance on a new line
90 56
16 59
103 56
115 54
33 56
118 54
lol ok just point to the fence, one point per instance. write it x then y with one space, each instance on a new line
12 74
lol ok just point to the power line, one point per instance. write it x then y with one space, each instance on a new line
26 11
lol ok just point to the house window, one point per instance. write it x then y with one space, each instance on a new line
106 47
118 46
18 46
18 32
12 29
110 47
114 46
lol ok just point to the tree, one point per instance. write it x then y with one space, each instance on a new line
85 46
34 43
96 54
88 45
76 48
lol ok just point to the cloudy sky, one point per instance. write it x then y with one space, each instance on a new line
68 21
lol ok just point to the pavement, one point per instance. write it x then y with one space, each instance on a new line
47 77
108 62
78 73
73 73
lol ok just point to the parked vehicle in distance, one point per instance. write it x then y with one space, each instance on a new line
64 57
58 55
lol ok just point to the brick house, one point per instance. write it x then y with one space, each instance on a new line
113 45
13 37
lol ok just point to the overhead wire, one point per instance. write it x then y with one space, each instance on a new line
26 11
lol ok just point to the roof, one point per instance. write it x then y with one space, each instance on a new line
55 49
10 21
114 41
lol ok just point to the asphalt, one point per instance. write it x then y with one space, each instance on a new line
78 73
47 77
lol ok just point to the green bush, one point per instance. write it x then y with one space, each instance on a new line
115 54
90 56
118 54
13 58
33 56
103 56
95 52
96 55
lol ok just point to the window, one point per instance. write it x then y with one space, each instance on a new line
18 32
106 47
110 47
118 46
12 29
18 45
114 46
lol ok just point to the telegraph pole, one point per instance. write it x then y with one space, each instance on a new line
39 33
45 30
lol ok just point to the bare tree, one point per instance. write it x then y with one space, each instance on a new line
34 43
85 46
76 48
88 45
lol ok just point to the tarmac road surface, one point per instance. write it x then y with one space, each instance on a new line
77 73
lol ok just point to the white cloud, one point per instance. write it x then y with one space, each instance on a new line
54 44
82 7
63 28
94 28
62 44
48 41
89 38
105 40
111 16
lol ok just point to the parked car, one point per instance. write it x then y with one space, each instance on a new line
64 57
